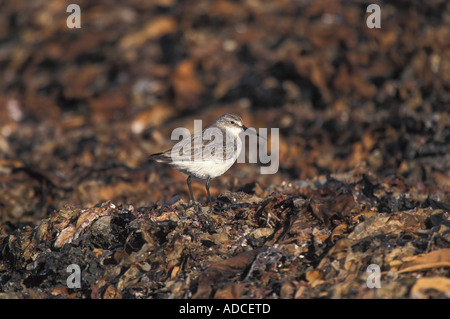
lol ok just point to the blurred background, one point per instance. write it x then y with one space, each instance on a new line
82 109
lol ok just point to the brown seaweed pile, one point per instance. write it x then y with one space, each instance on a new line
364 149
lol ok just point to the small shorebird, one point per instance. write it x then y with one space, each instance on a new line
207 154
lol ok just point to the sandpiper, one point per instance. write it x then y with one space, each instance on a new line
209 153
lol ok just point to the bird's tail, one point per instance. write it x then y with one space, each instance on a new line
160 158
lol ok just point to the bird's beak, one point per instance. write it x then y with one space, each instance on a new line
254 132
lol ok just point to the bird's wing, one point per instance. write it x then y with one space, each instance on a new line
197 148
215 151
185 150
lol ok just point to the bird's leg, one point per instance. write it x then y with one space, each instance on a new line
209 195
190 189
209 222
194 203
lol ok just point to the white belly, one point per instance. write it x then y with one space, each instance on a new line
204 168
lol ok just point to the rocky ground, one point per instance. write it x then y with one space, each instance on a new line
364 148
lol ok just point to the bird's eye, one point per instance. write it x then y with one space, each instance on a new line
232 122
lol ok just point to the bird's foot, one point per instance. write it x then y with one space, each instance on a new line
203 214
208 223
193 204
